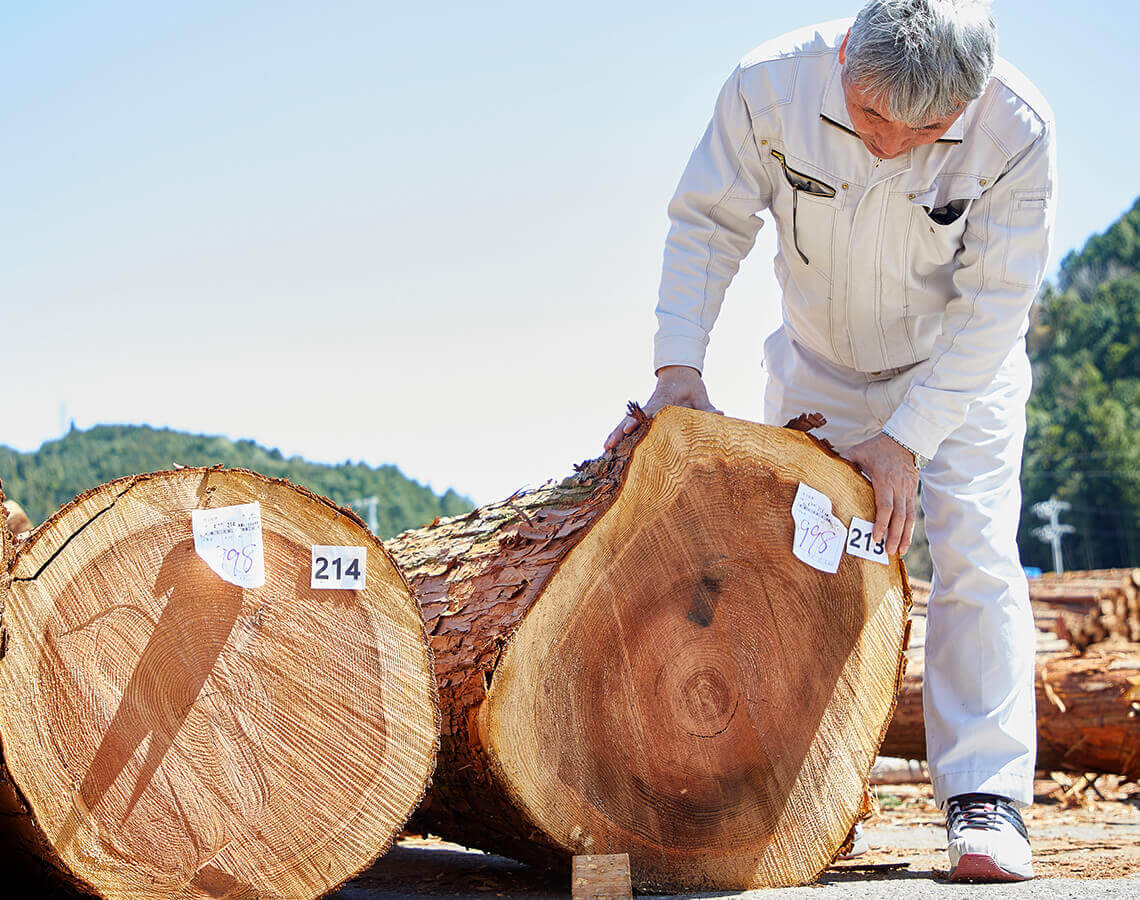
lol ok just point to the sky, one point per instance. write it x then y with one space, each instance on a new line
427 235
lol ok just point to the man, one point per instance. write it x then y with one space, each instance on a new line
910 174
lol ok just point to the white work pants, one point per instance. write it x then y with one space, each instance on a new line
978 699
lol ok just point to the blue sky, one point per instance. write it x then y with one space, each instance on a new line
423 236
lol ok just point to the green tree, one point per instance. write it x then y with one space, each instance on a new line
1083 441
60 470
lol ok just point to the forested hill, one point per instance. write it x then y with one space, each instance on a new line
46 479
1083 444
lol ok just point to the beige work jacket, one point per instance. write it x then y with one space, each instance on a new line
929 260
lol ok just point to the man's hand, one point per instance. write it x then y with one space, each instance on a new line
676 386
890 467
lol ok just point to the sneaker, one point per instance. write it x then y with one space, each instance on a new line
987 839
858 843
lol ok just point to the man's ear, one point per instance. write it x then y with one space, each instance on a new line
843 49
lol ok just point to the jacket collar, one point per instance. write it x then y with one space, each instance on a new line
833 110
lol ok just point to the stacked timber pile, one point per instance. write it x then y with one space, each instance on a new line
186 713
1088 696
633 661
1080 607
1086 608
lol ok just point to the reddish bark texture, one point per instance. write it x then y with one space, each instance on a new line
476 576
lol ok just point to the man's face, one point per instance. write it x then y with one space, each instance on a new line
882 136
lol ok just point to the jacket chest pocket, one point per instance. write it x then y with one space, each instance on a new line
936 226
805 201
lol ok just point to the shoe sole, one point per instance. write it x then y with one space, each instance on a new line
979 867
855 854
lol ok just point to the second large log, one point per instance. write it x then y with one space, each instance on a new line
633 661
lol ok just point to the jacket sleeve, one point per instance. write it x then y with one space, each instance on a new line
1004 253
713 226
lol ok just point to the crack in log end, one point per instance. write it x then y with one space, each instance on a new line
490 670
703 606
76 534
723 728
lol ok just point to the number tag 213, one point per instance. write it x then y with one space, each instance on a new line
861 543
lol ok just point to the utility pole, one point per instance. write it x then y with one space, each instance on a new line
368 506
1051 533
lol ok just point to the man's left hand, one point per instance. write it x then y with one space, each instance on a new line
890 466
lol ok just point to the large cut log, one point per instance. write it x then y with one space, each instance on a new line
1088 713
168 733
632 661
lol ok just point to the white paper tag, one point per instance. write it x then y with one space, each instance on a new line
819 536
860 542
339 567
228 538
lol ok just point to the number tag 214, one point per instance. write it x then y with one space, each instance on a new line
339 568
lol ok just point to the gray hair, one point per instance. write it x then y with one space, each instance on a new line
922 59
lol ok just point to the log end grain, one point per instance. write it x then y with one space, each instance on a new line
688 692
174 735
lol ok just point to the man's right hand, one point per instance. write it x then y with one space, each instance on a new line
676 386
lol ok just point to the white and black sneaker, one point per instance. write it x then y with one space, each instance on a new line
987 839
859 845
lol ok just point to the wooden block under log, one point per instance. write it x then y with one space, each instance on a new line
602 877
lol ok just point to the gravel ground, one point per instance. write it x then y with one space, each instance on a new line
1082 849
426 872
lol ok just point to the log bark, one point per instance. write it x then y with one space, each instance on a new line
1088 714
632 661
7 549
18 522
169 734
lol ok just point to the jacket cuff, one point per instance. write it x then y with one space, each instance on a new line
914 432
679 351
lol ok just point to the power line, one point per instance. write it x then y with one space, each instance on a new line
1052 532
368 505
